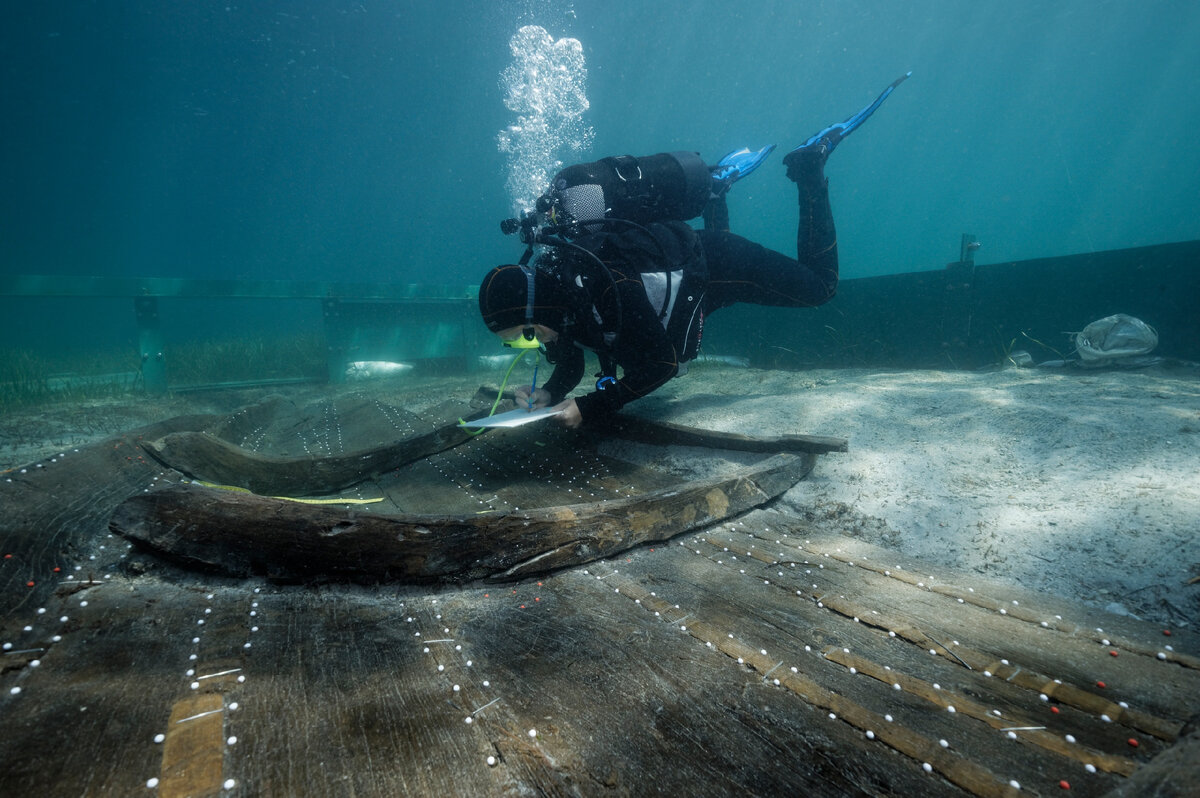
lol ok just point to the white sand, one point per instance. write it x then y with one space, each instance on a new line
1085 485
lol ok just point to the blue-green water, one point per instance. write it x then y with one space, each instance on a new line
358 140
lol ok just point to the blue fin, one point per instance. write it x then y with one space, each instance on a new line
740 163
832 135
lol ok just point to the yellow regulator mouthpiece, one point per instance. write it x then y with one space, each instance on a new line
526 340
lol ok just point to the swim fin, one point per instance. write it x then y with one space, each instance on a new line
737 165
831 136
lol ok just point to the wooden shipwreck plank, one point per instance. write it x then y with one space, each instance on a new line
242 534
660 670
201 455
666 668
55 512
354 693
212 457
649 709
668 433
763 613
756 655
512 470
933 610
99 712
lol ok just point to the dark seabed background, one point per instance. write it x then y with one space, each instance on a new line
357 141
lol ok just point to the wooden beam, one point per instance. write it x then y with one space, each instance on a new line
242 534
667 433
202 455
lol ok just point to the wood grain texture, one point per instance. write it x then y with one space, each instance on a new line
753 655
202 455
240 534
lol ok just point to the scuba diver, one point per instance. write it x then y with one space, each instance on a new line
620 272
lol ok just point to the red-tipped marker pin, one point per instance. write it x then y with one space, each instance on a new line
1066 785
1101 685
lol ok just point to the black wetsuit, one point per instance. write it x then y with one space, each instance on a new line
718 268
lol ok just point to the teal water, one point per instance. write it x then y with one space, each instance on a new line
358 140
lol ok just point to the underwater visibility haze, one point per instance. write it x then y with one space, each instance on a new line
376 141
198 423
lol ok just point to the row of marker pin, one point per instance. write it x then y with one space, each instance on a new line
927 767
194 681
1011 734
455 688
9 648
1161 655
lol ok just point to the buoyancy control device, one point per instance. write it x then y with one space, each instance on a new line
591 205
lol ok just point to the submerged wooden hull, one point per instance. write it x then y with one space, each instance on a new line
764 656
242 534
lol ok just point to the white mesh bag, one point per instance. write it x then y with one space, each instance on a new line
1115 340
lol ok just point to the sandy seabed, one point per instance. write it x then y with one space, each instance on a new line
1081 484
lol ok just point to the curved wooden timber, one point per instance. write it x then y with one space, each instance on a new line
202 455
668 433
243 534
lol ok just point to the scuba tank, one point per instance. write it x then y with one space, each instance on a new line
670 186
624 202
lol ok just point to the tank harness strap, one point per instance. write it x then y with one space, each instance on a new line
629 172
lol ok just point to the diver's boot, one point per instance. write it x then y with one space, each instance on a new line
806 164
736 165
809 158
730 169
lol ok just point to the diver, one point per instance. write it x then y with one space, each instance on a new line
621 273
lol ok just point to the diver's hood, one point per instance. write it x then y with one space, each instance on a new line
504 299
